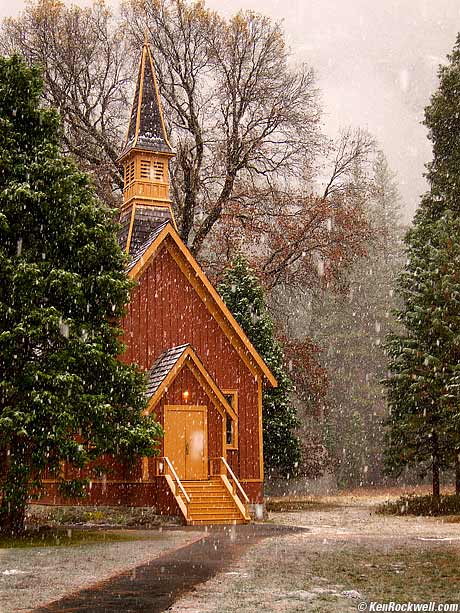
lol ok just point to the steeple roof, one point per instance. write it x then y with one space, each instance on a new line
146 125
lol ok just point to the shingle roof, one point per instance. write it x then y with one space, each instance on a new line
146 127
151 238
162 367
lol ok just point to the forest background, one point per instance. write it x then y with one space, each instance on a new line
253 167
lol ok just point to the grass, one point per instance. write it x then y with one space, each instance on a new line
298 503
378 571
399 575
107 516
421 506
409 573
65 537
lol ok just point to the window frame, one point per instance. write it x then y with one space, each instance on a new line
234 404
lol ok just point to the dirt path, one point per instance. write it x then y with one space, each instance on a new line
348 555
153 587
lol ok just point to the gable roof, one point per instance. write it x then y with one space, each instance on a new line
162 367
205 290
146 128
138 255
167 367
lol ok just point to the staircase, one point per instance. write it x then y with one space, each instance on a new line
219 499
211 502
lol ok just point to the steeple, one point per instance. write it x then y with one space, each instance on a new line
145 160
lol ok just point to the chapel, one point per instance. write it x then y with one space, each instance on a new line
205 378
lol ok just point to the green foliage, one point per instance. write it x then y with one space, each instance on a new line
423 390
244 296
64 395
442 118
421 505
423 386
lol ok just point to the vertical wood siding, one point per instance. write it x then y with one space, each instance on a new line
165 311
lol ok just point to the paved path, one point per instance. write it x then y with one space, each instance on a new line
153 587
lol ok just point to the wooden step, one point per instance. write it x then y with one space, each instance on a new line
198 502
211 503
204 488
213 492
215 513
210 498
204 507
217 522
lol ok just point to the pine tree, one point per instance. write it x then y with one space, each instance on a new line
64 395
423 386
244 296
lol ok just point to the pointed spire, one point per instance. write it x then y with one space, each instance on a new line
146 128
145 160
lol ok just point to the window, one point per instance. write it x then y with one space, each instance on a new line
145 169
158 171
231 434
129 172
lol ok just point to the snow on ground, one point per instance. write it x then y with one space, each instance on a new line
350 555
43 574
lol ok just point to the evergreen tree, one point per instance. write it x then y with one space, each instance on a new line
244 296
64 395
423 386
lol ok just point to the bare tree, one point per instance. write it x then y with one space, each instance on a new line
87 72
351 150
244 122
238 111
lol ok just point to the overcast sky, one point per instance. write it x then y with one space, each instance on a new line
376 63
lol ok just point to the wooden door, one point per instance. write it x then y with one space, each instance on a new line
185 441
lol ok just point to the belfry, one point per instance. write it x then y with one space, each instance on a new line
145 162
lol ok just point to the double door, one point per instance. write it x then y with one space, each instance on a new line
185 441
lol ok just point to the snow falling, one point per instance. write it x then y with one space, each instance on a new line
230 306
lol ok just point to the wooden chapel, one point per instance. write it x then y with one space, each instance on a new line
205 378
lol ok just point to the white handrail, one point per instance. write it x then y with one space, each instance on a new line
233 476
176 478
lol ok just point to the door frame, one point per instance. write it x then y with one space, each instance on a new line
169 408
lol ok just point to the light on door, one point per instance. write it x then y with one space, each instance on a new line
185 395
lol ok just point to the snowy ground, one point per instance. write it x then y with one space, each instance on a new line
33 576
350 555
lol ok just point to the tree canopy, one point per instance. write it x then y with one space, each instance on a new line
244 119
64 394
423 390
244 296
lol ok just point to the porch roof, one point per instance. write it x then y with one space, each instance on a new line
167 367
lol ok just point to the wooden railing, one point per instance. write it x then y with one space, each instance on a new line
220 467
164 468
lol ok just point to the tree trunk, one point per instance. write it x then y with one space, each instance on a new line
457 473
435 466
12 519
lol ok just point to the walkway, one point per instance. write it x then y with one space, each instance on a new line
153 587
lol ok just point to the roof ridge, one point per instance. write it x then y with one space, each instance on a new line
200 278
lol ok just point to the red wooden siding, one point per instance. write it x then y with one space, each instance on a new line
197 396
155 494
165 311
